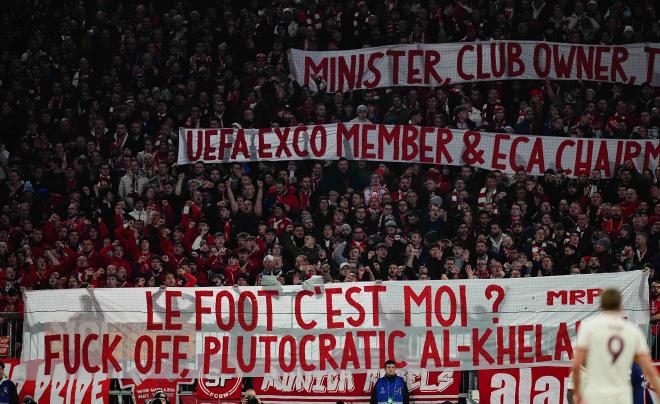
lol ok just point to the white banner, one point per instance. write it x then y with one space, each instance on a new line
414 144
448 63
316 328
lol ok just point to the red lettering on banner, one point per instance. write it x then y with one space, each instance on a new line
389 137
395 55
177 354
161 353
514 149
358 81
409 144
542 72
240 145
86 351
560 153
514 50
298 310
290 353
459 63
600 70
242 310
224 364
371 66
603 159
330 311
497 156
446 353
413 74
651 153
367 146
318 132
431 58
536 158
538 352
264 153
583 166
355 322
478 350
442 290
327 343
304 365
268 294
391 351
502 348
563 66
171 314
267 340
208 147
151 326
333 69
211 348
445 136
495 54
481 75
585 62
375 290
522 348
563 343
144 368
346 73
423 147
230 311
573 297
71 366
313 69
619 153
224 144
199 309
366 342
344 134
650 68
619 56
107 352
632 151
463 303
282 147
296 141
189 145
430 351
246 367
350 353
419 299
472 154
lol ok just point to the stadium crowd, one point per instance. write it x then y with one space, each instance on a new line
93 94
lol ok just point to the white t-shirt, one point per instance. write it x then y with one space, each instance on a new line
612 344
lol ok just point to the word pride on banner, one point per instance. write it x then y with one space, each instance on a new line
442 64
308 329
406 143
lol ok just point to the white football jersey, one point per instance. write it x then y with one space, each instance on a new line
612 344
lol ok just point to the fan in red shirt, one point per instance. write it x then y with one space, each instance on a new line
282 193
630 205
279 221
38 275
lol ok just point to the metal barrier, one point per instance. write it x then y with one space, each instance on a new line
11 331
